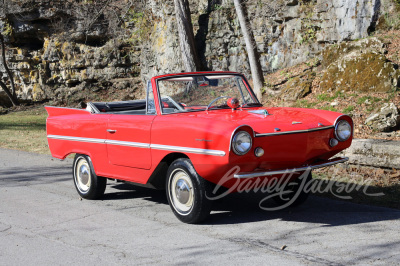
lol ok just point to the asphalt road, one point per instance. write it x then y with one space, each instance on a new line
43 221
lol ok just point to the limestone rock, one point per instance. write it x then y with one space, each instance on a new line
58 51
334 52
298 87
374 152
359 71
385 119
359 66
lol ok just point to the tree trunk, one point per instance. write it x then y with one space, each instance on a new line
255 66
11 94
186 36
13 100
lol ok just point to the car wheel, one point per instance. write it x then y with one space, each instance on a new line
186 192
294 187
87 183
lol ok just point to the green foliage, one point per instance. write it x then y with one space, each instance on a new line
322 97
38 67
348 109
308 29
304 104
313 62
329 108
288 75
141 24
392 20
308 33
216 7
371 99
327 98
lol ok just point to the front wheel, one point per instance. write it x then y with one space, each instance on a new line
87 183
186 192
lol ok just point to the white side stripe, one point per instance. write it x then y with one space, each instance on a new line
141 145
126 143
91 140
189 150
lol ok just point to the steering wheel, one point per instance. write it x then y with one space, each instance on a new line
178 106
216 99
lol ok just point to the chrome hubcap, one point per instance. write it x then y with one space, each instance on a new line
181 192
82 175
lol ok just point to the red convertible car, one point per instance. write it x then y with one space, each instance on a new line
190 131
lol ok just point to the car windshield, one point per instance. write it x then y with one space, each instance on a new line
197 93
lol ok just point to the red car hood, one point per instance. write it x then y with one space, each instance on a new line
278 119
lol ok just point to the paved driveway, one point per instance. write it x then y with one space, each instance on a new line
43 221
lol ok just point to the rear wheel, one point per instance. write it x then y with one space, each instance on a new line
87 183
297 195
186 192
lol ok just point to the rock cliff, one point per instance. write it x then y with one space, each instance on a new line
69 51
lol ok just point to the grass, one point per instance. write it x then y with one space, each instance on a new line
24 130
348 109
304 104
372 100
323 97
329 108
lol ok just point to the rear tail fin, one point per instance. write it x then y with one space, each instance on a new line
56 111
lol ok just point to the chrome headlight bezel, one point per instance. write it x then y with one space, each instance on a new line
338 130
235 143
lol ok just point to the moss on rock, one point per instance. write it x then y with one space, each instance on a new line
359 71
336 51
298 87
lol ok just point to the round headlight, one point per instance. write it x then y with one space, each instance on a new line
241 143
343 130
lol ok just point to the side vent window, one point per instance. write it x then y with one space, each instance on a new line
151 107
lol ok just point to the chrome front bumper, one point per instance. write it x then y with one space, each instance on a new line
287 171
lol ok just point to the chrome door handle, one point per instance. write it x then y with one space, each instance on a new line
111 131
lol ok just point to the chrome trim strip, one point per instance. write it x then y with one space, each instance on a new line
286 171
127 143
141 145
337 119
91 140
189 150
294 131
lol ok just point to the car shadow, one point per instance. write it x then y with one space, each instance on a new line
245 208
130 191
15 176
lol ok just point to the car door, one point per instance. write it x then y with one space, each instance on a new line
128 138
